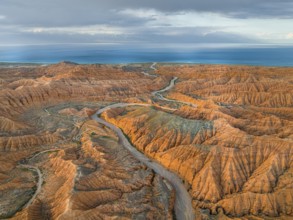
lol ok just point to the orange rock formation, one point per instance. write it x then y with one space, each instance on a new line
86 174
234 150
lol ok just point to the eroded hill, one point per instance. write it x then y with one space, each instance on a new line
227 133
234 149
85 173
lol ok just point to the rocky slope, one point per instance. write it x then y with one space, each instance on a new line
229 139
25 88
235 149
86 173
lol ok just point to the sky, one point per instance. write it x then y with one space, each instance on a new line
146 22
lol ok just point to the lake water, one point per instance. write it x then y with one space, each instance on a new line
94 53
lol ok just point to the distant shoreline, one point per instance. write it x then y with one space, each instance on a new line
39 64
115 55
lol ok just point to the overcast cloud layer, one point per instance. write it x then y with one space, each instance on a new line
146 21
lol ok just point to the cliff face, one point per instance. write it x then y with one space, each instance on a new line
235 149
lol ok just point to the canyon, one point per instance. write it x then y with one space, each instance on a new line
224 131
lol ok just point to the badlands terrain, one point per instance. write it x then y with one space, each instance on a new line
218 142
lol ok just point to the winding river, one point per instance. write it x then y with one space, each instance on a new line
183 202
39 184
40 175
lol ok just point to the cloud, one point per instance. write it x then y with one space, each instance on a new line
229 8
90 12
83 30
147 22
289 36
180 19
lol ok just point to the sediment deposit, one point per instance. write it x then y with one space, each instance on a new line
234 149
226 131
